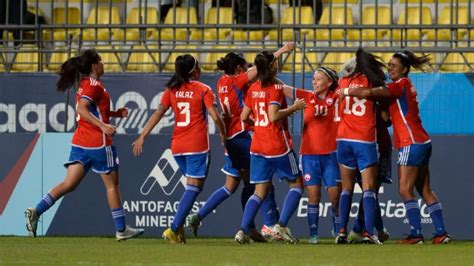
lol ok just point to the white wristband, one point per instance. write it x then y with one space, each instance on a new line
346 92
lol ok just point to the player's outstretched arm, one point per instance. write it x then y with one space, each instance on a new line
364 93
218 121
275 113
288 47
83 111
289 91
121 112
137 145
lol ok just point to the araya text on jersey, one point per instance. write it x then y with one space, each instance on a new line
184 94
258 94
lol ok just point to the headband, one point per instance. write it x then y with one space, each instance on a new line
326 72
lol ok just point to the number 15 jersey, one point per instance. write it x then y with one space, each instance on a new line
189 103
270 139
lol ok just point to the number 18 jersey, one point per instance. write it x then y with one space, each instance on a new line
270 139
189 103
357 115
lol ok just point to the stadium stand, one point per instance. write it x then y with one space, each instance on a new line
133 29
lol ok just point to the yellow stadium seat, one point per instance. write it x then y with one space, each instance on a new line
449 17
57 59
311 59
210 62
471 35
291 15
101 16
112 61
455 62
337 18
59 17
369 13
384 57
251 35
143 61
270 2
2 63
182 18
148 16
171 58
336 60
226 16
411 16
341 1
26 60
418 1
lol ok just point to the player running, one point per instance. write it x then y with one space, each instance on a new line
190 101
91 142
271 148
356 143
413 143
232 88
318 145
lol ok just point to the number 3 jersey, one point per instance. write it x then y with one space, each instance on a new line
357 115
189 103
87 135
270 139
320 123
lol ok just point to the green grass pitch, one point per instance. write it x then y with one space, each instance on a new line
220 251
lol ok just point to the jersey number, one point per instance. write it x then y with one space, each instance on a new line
226 106
261 118
184 110
358 107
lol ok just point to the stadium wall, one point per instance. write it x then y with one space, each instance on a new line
150 184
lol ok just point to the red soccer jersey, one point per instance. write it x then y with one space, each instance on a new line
407 127
87 135
320 125
357 115
189 103
270 139
231 91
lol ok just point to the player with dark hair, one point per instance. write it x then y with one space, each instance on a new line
413 142
356 143
91 143
232 88
190 100
271 147
318 145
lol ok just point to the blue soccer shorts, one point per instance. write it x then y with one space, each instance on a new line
193 165
319 169
262 168
238 154
102 161
414 155
356 155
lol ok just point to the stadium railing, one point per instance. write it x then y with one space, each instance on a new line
131 37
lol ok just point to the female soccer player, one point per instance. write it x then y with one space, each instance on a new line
413 143
271 147
318 145
91 143
232 89
356 143
190 101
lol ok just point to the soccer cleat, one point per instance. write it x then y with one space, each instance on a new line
269 233
313 239
193 223
441 239
256 236
370 239
31 221
129 232
242 238
354 237
181 235
411 239
285 234
383 235
171 236
341 238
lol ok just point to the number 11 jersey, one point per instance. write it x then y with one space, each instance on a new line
189 103
270 139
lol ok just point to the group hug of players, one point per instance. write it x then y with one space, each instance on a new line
344 140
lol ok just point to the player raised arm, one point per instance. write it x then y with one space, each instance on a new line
287 48
137 145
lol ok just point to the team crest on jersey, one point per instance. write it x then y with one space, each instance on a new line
307 177
329 101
